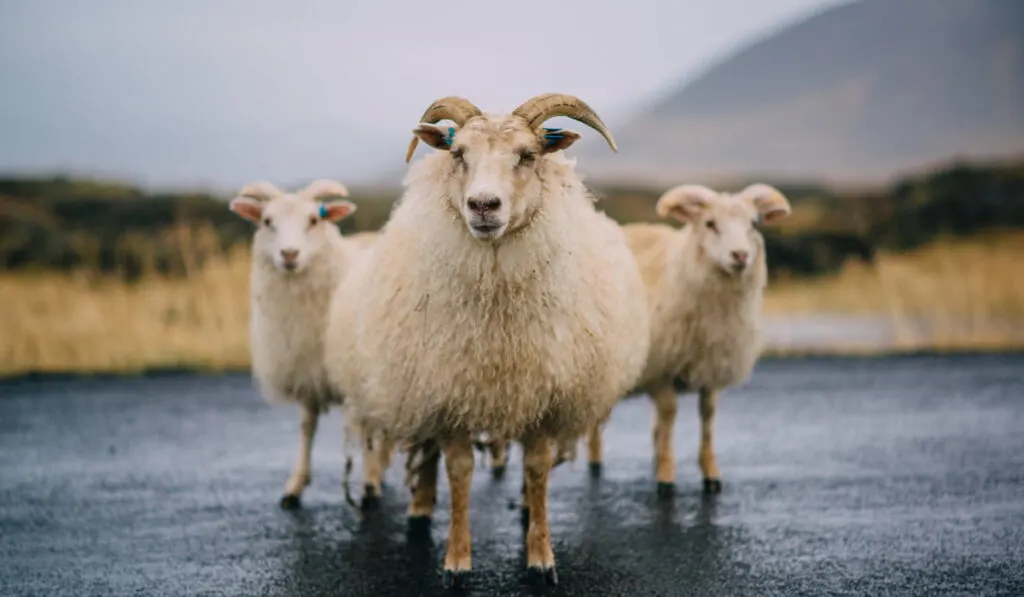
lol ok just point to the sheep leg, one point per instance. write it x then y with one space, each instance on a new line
665 404
376 451
524 504
301 475
499 457
706 459
424 490
565 451
458 461
594 448
537 460
387 451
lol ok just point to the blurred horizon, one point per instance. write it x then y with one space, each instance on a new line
894 128
212 95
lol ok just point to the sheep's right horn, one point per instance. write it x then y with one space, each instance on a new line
538 109
262 190
456 109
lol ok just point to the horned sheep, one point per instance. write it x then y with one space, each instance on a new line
705 285
298 259
496 300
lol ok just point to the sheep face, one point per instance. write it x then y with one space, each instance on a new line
495 167
292 228
726 226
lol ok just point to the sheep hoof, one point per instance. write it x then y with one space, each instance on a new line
498 472
290 501
455 579
595 469
371 501
419 526
538 575
712 486
666 490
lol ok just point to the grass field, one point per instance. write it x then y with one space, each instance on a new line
962 294
959 294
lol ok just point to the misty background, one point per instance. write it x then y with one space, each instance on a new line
894 127
199 93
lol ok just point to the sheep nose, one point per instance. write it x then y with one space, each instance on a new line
740 257
290 254
484 204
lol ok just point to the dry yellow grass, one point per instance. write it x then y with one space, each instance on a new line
954 294
84 323
965 294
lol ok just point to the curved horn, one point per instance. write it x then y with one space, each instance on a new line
261 189
324 187
540 108
454 108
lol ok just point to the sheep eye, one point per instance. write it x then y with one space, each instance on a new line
266 222
312 221
526 157
712 225
457 154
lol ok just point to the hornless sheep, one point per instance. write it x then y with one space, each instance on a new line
705 284
298 258
496 300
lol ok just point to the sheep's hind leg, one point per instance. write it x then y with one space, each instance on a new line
537 460
301 475
665 404
594 448
706 459
376 455
499 457
424 486
458 460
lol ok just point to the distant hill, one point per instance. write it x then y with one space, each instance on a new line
853 94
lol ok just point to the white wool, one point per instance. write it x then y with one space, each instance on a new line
288 318
438 333
705 325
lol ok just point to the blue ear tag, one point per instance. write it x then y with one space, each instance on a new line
451 136
323 211
553 136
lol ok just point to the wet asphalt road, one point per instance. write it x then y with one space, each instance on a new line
859 477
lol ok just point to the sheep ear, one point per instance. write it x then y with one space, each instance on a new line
248 208
335 211
769 202
685 202
557 139
438 137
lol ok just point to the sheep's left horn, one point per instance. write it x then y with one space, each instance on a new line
536 110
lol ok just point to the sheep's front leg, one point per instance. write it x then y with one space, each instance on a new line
376 456
424 488
458 461
706 459
665 404
301 475
537 459
499 457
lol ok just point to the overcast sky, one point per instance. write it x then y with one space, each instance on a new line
224 91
